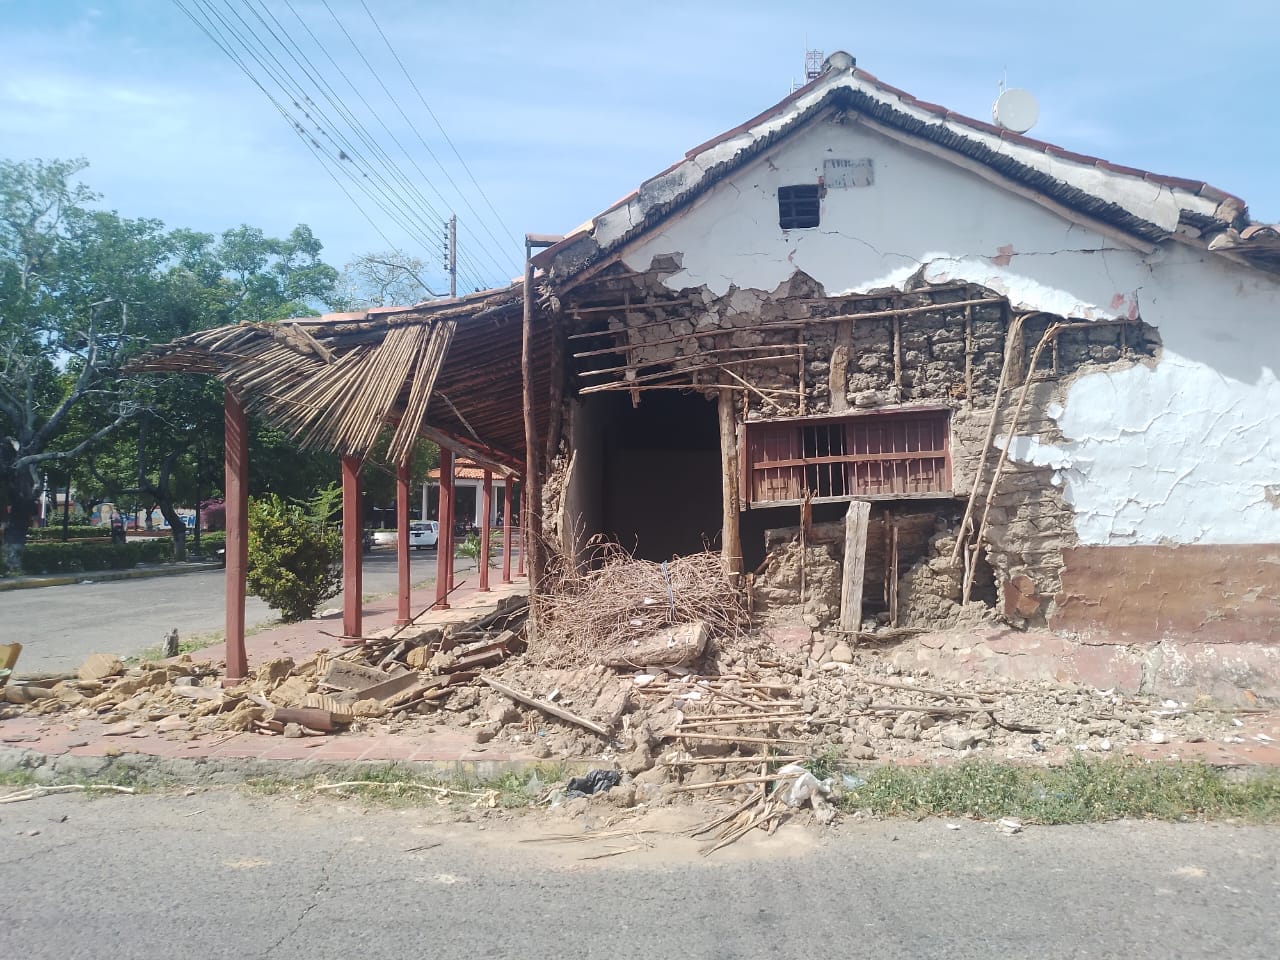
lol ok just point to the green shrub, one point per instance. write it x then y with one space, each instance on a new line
86 555
211 541
294 554
54 532
469 546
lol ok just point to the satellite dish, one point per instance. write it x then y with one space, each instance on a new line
1016 110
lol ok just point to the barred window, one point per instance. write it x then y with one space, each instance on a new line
798 206
882 455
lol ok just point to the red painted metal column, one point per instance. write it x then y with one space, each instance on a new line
486 498
506 529
444 537
402 542
236 489
352 547
524 529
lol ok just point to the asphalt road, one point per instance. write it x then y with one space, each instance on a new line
218 875
60 626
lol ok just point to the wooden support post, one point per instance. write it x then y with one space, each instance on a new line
731 539
804 389
486 500
506 528
236 487
352 547
855 561
444 538
897 354
892 574
403 614
533 471
524 529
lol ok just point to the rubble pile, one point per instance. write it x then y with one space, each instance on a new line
407 670
621 610
673 708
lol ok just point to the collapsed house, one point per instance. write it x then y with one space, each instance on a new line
898 366
1050 377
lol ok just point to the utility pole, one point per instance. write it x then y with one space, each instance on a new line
451 253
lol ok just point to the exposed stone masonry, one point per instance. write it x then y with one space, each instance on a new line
951 356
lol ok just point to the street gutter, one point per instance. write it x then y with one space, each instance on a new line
100 576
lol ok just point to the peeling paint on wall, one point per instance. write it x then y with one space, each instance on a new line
1149 454
1182 453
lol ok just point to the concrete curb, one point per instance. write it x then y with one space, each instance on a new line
226 771
99 576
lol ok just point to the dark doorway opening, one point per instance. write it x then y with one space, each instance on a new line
660 474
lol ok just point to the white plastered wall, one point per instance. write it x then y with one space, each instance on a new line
1185 452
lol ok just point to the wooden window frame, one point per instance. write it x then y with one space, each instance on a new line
795 204
796 470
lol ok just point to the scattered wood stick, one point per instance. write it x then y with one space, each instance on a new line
730 717
549 708
585 837
743 831
759 718
614 853
694 735
443 791
752 704
34 792
736 781
907 708
702 760
708 827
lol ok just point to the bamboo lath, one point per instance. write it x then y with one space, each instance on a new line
328 387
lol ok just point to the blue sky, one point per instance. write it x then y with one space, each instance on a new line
560 108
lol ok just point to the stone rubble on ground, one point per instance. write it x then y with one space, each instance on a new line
673 731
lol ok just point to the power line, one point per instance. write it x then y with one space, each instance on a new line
439 126
364 100
212 14
433 216
374 73
376 189
285 114
402 203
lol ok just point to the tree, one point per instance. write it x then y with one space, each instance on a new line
384 279
174 453
68 278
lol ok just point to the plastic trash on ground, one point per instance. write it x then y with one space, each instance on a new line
597 781
803 787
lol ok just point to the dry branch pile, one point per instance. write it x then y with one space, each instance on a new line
584 615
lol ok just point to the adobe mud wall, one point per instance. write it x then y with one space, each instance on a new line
945 348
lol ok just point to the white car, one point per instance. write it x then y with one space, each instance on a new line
423 534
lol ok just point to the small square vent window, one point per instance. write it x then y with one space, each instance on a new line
798 206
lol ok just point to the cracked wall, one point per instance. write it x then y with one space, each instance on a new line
1149 436
1193 441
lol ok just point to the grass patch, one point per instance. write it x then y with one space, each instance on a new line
1082 791
395 786
17 778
